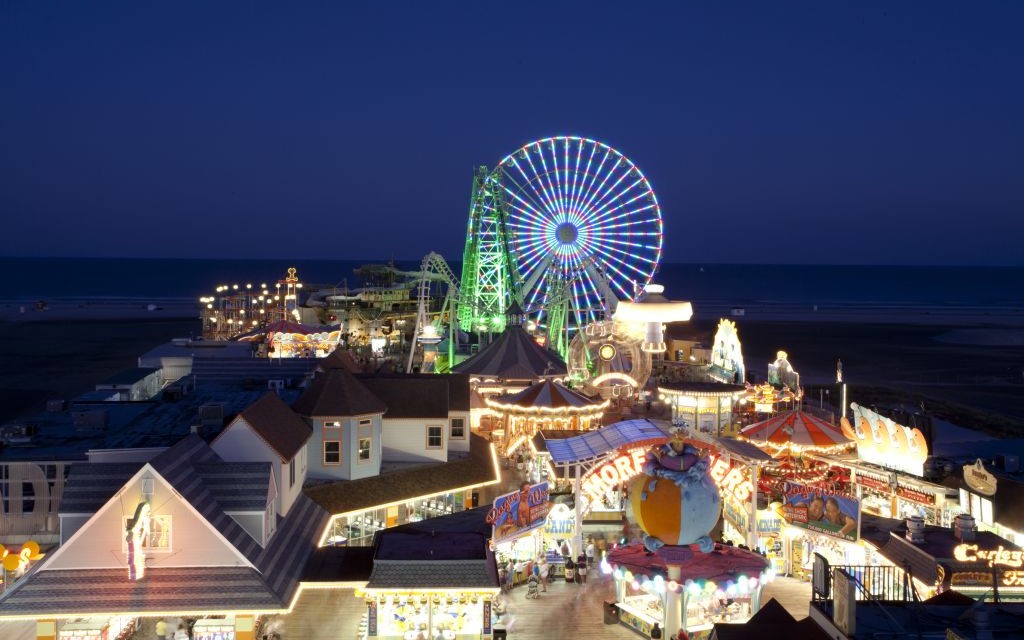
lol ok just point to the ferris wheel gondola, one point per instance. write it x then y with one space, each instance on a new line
584 227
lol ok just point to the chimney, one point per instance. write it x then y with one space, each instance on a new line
964 527
915 529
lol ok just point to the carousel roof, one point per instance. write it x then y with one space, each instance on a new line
796 427
548 395
513 355
280 326
721 565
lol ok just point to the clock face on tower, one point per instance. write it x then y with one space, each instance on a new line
607 352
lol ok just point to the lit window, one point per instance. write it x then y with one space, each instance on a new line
291 473
332 452
364 449
159 538
458 431
435 437
986 512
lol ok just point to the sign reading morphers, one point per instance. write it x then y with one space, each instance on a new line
730 479
979 479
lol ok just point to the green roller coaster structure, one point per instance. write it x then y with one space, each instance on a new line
489 278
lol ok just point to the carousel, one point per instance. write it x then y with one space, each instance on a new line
284 339
678 579
546 405
790 435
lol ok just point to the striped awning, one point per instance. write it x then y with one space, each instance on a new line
796 427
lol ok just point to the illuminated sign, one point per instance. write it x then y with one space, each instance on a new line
979 479
137 535
732 480
561 522
623 468
736 515
992 557
885 443
616 471
16 561
914 495
516 513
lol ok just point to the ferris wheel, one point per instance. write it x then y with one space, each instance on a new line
584 228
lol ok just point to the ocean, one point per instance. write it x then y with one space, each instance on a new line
718 285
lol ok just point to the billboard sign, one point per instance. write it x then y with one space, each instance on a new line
519 512
821 511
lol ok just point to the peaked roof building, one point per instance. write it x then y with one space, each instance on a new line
276 424
513 356
336 392
195 557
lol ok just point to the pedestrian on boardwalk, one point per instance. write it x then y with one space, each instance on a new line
543 568
590 551
181 633
532 587
581 568
161 629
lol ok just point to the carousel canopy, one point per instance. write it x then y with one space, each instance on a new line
513 356
723 564
281 326
796 428
548 395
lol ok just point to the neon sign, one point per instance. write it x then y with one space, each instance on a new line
137 535
625 467
617 471
999 556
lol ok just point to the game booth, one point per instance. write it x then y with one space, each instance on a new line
678 578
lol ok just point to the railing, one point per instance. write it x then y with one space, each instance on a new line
884 583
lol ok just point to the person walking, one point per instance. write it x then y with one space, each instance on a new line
590 551
543 569
181 633
161 629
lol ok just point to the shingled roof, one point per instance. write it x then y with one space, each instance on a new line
513 356
203 480
336 392
275 422
352 495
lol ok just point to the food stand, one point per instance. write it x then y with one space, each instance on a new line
214 629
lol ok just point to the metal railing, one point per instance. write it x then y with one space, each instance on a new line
882 583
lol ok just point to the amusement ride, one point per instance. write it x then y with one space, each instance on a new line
564 226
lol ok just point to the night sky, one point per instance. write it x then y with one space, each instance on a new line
857 132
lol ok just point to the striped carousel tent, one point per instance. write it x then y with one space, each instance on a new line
798 430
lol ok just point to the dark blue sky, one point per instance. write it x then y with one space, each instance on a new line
805 132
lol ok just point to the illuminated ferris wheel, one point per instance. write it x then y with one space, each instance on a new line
584 228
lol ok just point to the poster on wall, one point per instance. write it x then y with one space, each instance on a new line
519 512
821 511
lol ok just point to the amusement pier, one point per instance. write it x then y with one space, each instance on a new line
530 440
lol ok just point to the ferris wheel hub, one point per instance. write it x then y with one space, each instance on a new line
567 233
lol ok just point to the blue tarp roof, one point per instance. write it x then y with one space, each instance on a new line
597 443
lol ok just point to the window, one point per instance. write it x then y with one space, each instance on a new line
365 440
291 473
435 437
332 443
458 430
270 523
159 538
332 452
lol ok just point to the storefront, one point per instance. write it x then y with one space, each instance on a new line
443 614
434 583
897 494
820 521
111 628
706 407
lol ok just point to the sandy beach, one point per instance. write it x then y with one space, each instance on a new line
974 357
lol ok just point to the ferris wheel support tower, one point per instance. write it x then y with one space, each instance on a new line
488 275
